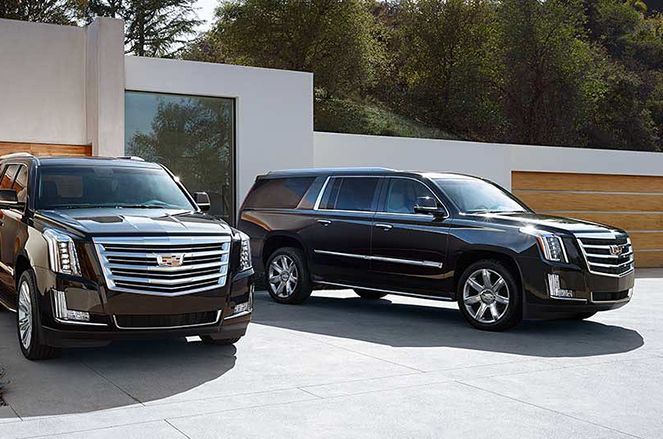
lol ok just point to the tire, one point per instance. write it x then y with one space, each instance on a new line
369 295
582 315
208 339
489 307
284 262
28 324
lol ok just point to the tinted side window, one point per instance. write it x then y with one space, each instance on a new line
352 193
8 177
403 193
21 184
278 193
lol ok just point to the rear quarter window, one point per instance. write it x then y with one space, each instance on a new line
278 193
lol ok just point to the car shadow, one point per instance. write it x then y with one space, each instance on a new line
119 375
433 324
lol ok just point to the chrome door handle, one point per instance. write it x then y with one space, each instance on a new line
324 222
384 227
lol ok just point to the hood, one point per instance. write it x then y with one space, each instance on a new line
547 222
114 221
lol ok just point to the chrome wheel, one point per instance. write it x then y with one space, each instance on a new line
486 296
25 315
283 276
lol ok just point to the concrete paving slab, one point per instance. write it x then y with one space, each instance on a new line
413 413
161 430
626 396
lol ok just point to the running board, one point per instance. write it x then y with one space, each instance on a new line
397 293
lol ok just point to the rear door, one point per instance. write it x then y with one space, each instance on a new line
340 238
409 249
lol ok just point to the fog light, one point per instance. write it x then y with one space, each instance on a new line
554 289
245 306
63 313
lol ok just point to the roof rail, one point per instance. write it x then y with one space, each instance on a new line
16 154
131 157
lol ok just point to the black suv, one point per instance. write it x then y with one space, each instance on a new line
440 236
94 249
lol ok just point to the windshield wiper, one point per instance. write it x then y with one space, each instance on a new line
144 206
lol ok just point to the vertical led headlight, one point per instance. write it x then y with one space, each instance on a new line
551 245
62 252
245 252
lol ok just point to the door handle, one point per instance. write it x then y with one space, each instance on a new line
384 227
324 222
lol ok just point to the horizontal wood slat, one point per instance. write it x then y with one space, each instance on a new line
550 200
626 221
633 203
45 149
646 259
563 181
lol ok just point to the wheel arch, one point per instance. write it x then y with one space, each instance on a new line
471 256
277 240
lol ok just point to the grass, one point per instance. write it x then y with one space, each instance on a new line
344 115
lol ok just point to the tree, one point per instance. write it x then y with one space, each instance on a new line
331 38
152 27
449 47
44 11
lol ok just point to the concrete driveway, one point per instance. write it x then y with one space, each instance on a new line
342 367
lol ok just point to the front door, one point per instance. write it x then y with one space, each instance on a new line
340 237
409 250
11 228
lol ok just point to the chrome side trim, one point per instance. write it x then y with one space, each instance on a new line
7 268
216 321
9 308
432 264
398 293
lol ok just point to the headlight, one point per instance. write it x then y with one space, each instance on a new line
62 252
245 253
550 244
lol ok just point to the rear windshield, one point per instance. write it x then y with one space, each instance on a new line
278 193
62 187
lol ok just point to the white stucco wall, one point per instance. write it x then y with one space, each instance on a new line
489 160
42 83
274 108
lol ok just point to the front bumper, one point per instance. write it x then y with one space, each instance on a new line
107 310
591 292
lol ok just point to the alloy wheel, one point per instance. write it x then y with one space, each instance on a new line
486 296
25 315
283 276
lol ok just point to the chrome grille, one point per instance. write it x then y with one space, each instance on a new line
166 266
599 250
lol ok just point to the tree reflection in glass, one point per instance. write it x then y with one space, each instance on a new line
191 135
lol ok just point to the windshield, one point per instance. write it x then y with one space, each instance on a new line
478 196
71 187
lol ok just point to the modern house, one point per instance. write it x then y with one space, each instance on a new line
72 90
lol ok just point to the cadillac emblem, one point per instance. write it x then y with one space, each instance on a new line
170 260
617 250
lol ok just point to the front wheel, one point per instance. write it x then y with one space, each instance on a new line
28 324
489 297
288 279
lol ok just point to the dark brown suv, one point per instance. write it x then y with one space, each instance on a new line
94 250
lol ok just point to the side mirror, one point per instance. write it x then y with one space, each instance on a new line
202 200
8 199
429 206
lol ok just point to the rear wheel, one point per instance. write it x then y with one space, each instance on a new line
28 325
489 297
288 279
369 295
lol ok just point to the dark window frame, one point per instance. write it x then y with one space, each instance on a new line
332 186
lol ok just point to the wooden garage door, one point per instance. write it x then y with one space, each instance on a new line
631 202
45 149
